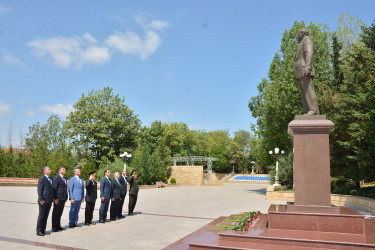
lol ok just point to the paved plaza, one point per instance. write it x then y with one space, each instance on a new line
163 217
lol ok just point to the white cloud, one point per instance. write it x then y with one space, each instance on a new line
9 59
68 51
132 43
158 24
163 115
29 113
4 108
59 109
4 10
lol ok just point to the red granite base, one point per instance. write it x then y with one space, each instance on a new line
336 228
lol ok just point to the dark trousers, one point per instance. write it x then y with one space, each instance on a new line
89 211
309 100
122 204
43 216
115 208
132 202
103 209
57 212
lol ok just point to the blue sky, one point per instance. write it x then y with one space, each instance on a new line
196 61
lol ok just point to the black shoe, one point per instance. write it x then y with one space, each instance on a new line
77 225
54 230
71 226
101 221
46 233
120 217
92 223
87 223
113 219
60 229
40 234
107 221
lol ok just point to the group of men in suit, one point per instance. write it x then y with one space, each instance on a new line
56 191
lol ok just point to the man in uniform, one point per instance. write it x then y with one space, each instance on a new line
60 196
133 192
45 196
91 195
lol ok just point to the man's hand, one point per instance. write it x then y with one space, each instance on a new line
56 201
83 199
72 201
102 198
113 199
42 202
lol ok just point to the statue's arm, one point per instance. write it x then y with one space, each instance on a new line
308 49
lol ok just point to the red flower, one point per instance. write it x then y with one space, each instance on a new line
259 213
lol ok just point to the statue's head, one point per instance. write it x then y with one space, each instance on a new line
301 33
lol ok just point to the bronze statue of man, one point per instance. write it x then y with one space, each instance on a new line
304 71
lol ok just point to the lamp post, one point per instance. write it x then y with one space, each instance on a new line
125 156
252 167
277 155
233 163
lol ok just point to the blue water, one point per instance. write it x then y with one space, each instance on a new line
251 178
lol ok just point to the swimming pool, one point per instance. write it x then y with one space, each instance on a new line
260 178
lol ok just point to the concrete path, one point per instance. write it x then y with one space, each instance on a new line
163 217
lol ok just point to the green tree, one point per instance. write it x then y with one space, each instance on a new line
102 124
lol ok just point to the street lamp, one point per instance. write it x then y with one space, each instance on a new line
252 167
233 163
277 155
125 156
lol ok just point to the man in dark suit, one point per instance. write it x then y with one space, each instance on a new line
133 192
305 72
116 197
124 186
60 196
45 196
91 195
105 196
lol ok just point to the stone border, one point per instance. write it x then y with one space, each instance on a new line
364 203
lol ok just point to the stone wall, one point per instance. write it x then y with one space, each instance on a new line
188 175
364 203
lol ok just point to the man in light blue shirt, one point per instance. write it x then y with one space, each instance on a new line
76 197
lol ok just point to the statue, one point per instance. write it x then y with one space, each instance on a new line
304 71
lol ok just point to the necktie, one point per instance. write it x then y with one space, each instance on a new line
118 182
50 180
124 179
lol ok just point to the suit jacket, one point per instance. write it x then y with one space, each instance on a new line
304 58
124 187
59 188
45 189
115 189
76 189
91 190
105 188
134 186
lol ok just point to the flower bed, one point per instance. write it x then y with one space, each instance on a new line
239 222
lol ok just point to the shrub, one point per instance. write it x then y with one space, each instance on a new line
342 185
353 192
166 180
173 181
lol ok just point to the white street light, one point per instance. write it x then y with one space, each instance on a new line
252 167
125 156
276 155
